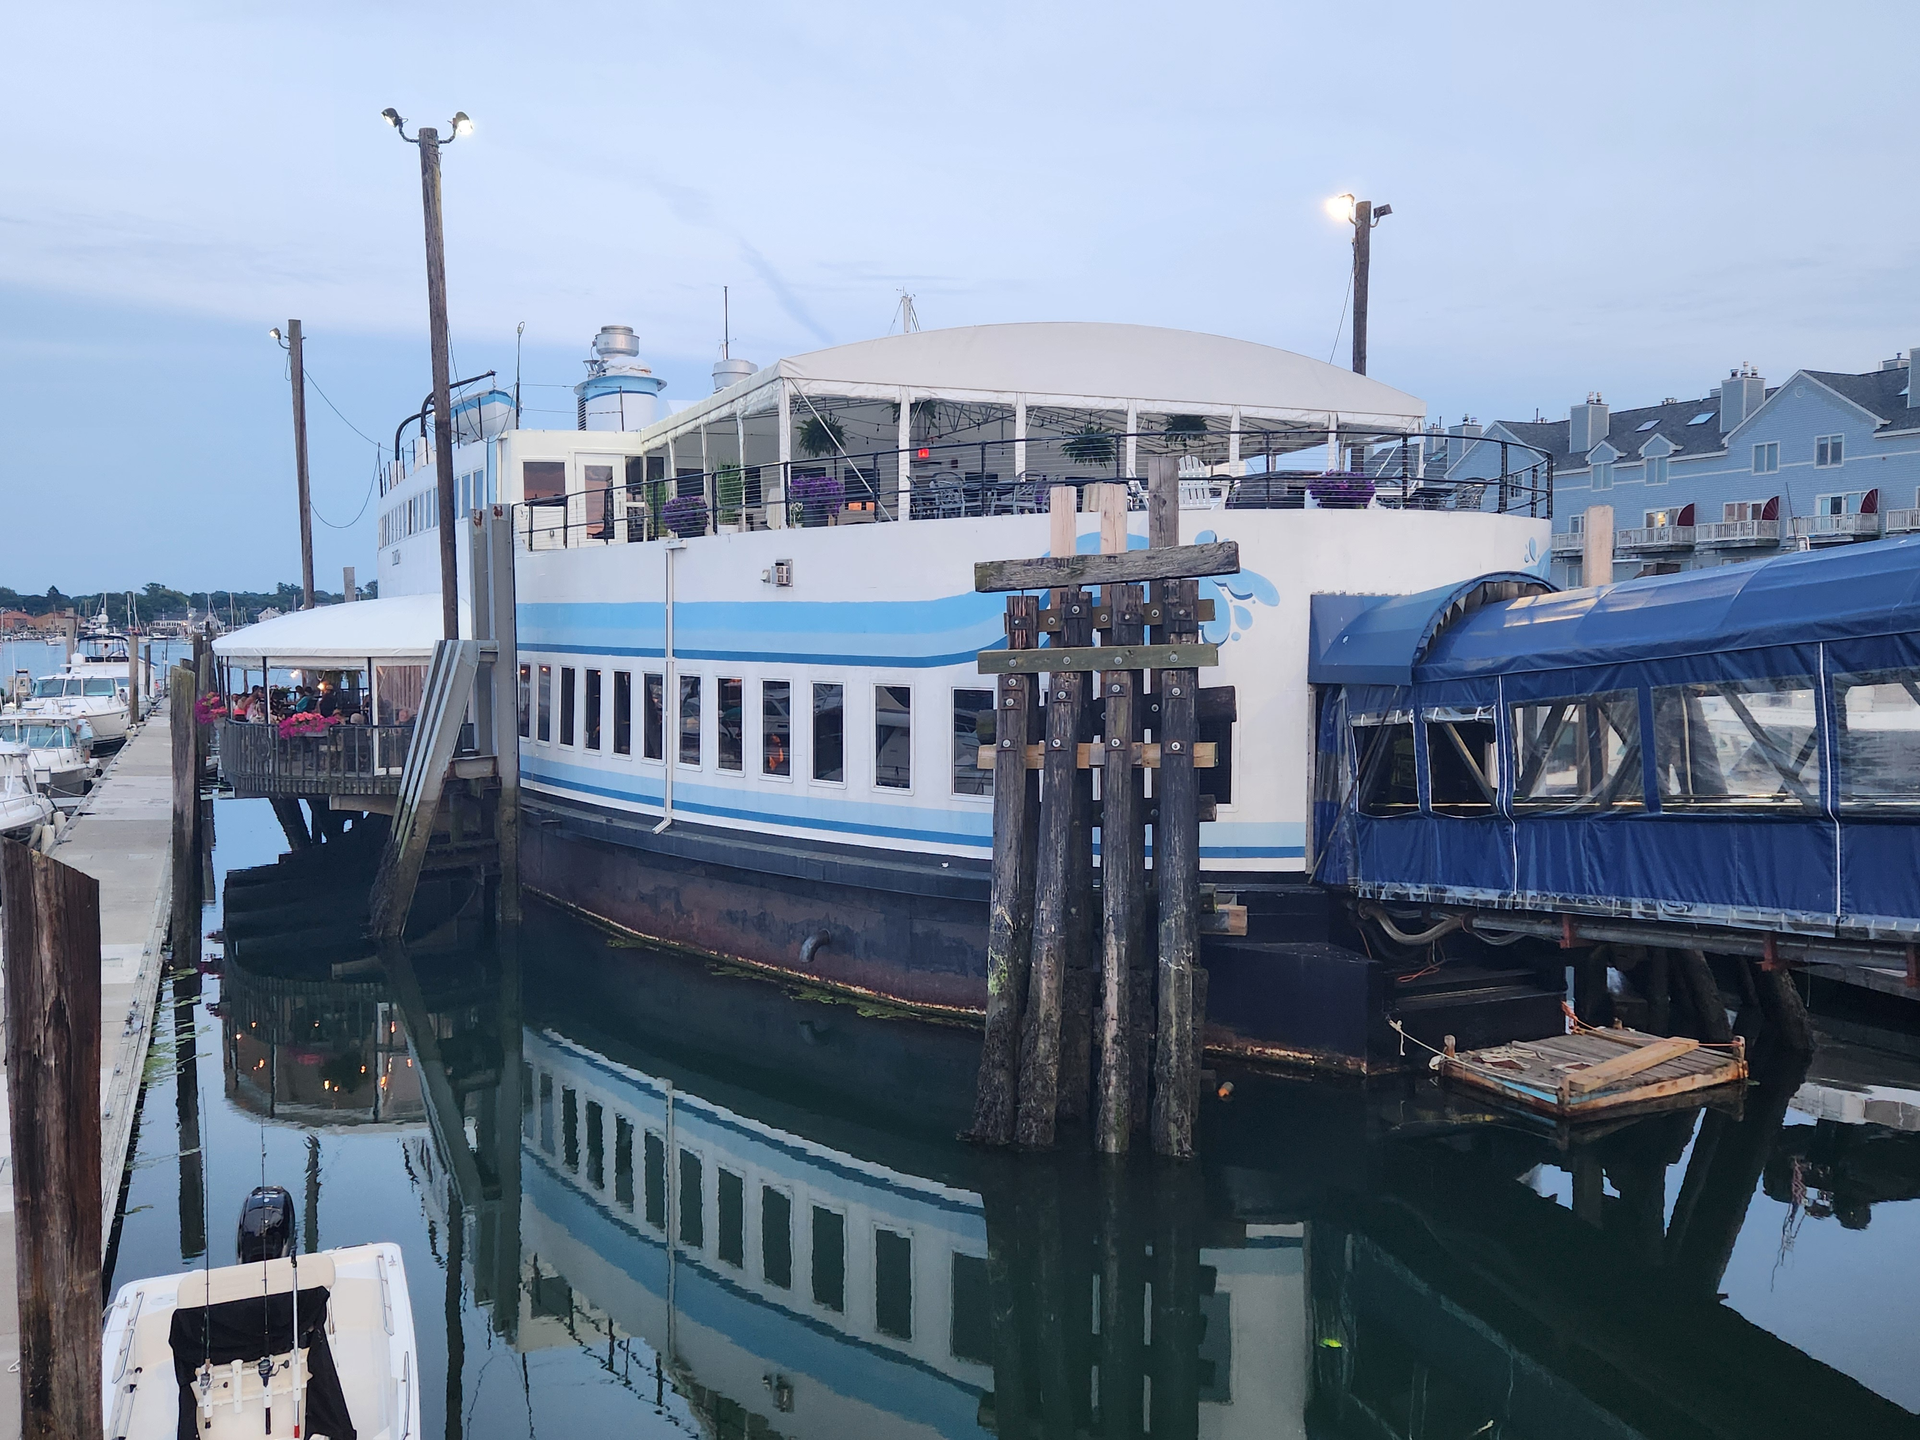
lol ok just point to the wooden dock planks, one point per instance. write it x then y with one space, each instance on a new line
1593 1071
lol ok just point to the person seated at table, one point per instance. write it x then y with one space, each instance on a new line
327 702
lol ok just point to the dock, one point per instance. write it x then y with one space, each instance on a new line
1593 1071
120 835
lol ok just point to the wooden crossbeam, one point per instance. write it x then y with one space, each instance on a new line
1620 1067
1153 613
1146 756
1074 659
1173 562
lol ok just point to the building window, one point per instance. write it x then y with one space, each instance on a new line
733 1218
592 721
526 701
776 1237
829 732
1658 519
689 719
829 1259
1577 525
776 727
893 736
693 1222
1656 469
1829 450
1737 511
729 722
566 705
652 718
1603 474
1844 502
546 702
622 712
893 1284
968 707
1766 457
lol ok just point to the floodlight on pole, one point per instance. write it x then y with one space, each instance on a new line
1340 207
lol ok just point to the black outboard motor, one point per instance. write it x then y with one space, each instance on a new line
266 1225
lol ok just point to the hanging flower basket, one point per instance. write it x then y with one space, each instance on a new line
1340 490
209 708
685 515
1091 445
307 722
818 497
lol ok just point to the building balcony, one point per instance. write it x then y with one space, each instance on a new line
1654 539
1737 534
1836 529
1568 544
1901 522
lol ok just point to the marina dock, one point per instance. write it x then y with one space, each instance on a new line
119 836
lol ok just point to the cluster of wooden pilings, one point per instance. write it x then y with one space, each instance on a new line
1084 1012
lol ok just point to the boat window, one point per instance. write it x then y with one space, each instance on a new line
653 718
622 712
623 1162
590 722
546 1112
689 719
48 686
546 702
729 723
1578 754
526 701
1383 745
893 1284
97 685
596 1146
970 1328
732 1198
1463 762
693 1223
543 479
655 1160
776 1237
776 727
1879 742
1738 745
829 1259
570 1129
566 704
893 736
968 737
829 732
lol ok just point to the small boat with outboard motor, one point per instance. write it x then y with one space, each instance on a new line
312 1347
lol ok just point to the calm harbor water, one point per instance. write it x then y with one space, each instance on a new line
641 1196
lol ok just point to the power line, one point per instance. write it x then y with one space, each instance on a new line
378 445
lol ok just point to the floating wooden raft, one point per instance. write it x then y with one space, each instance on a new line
1591 1072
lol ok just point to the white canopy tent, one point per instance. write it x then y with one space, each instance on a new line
400 630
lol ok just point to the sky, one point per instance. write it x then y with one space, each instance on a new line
1624 198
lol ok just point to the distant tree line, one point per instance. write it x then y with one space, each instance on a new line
155 601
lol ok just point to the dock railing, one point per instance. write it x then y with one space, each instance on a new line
256 760
1242 470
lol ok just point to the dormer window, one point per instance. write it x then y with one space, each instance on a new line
1656 469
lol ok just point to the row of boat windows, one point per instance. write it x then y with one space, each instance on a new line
569 706
1740 746
49 687
422 511
578 1141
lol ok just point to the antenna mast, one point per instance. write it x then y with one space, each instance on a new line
726 322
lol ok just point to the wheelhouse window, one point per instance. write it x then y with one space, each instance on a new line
893 736
1581 753
1463 764
776 1237
591 722
1738 745
623 712
543 479
653 718
730 723
566 704
546 702
776 727
893 1284
1878 749
829 1258
968 736
829 732
689 719
1388 781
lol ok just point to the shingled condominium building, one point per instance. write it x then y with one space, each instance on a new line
1743 472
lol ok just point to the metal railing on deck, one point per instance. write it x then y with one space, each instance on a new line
347 760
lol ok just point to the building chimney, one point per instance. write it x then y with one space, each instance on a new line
1459 438
1913 396
1741 393
1588 424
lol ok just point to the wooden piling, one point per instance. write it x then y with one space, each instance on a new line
1703 993
1176 867
186 814
1016 814
53 1096
1122 849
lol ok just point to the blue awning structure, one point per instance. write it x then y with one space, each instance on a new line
1846 593
1378 639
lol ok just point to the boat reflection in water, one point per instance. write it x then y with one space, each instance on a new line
753 1201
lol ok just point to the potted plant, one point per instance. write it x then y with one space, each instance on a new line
730 490
817 497
1340 490
1186 429
686 515
822 435
1089 445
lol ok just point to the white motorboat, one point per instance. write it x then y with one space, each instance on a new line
312 1346
22 806
59 750
93 685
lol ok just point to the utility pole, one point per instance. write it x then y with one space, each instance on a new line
300 466
1364 219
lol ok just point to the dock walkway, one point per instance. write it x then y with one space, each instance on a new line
120 836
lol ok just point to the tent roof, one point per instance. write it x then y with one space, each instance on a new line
1378 639
1059 361
404 627
1843 593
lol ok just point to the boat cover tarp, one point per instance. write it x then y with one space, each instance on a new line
401 628
247 1330
1375 639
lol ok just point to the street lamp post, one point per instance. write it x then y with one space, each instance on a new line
428 141
1364 217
